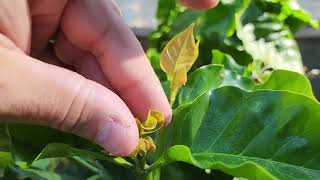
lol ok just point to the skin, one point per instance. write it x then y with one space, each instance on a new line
92 81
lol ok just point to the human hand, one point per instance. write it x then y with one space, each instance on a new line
92 81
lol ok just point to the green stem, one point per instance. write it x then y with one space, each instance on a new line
154 166
172 98
94 177
103 172
86 164
122 162
154 174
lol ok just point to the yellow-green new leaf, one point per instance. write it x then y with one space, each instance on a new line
177 58
154 122
145 145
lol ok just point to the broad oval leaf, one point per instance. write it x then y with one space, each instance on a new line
259 135
288 80
178 57
211 77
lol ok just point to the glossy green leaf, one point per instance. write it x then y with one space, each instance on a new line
288 80
257 135
228 62
211 77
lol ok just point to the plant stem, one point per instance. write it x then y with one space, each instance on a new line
154 174
122 162
154 166
94 177
86 164
103 172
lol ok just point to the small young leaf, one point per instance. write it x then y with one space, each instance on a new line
154 122
145 145
177 58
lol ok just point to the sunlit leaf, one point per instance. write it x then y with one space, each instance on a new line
177 58
263 134
289 81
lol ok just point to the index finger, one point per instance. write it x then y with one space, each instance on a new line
98 28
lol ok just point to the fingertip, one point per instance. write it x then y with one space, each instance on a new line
112 125
167 113
117 139
199 4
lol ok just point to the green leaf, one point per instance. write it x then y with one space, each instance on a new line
65 150
5 155
257 135
295 15
27 141
222 19
288 80
69 168
5 159
211 77
16 173
228 62
183 171
25 147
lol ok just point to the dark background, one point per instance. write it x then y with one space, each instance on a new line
310 50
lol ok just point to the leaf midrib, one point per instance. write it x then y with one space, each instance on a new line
181 50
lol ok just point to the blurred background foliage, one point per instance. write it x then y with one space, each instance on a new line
258 34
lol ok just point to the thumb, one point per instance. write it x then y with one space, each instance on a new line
39 93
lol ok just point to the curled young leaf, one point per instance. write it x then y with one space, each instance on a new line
177 58
154 122
145 146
